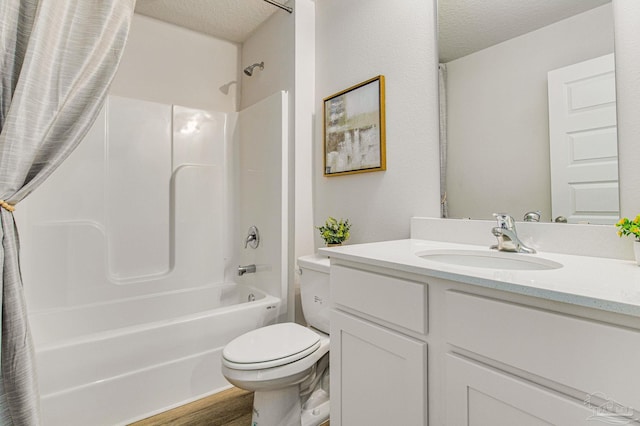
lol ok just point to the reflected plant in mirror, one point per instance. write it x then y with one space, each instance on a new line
528 109
627 227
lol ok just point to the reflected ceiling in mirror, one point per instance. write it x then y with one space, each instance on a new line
497 56
467 26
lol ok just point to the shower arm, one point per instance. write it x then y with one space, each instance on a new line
281 6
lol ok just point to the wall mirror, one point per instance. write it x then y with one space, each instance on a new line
497 57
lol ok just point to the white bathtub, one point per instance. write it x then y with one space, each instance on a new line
113 363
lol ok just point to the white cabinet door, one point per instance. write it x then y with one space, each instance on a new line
477 395
378 377
583 142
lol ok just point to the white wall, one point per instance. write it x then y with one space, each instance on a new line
497 108
172 65
286 44
357 40
273 43
627 38
304 105
304 102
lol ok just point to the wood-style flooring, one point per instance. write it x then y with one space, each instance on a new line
228 408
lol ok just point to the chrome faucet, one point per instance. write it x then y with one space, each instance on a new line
507 236
247 269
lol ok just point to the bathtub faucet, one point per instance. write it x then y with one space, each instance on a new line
247 269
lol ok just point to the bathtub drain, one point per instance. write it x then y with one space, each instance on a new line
251 297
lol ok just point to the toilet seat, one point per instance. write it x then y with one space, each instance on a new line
270 346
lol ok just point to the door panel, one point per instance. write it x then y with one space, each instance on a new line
583 142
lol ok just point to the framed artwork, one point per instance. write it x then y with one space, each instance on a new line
354 129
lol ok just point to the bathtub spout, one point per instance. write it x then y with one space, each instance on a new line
247 269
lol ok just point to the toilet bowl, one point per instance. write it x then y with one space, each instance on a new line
287 364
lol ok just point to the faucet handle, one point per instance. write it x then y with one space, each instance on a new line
253 238
532 216
505 221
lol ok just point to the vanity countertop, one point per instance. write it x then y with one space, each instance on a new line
606 284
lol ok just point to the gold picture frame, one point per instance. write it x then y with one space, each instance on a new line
354 129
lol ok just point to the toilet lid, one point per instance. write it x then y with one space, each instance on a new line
270 346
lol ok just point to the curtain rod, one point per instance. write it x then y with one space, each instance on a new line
281 6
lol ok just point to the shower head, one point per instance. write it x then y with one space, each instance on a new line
249 70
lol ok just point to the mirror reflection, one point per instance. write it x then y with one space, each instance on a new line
529 94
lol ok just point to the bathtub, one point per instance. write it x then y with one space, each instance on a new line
117 362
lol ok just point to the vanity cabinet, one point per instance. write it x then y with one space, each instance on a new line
378 371
492 357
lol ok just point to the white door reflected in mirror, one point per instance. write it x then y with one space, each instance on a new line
583 142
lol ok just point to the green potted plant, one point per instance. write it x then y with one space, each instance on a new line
334 232
627 227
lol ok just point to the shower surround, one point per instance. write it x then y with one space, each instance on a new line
129 252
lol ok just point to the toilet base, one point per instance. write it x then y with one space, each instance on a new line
280 407
316 410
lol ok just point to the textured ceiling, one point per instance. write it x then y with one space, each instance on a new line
466 26
232 20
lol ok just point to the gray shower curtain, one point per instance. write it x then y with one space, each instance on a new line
442 93
57 59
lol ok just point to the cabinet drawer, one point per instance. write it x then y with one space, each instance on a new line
397 301
592 357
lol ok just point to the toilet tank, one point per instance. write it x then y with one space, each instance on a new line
314 290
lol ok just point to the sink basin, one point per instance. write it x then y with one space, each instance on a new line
490 259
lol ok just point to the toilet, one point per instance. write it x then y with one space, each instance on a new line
287 364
